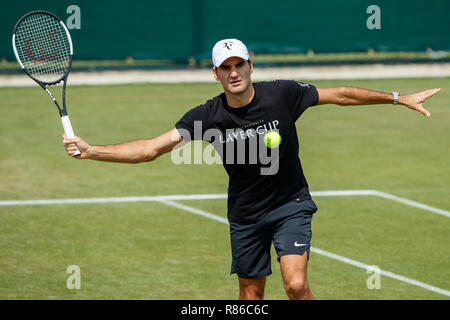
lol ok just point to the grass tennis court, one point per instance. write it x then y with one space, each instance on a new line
148 250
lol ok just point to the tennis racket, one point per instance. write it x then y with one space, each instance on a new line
43 48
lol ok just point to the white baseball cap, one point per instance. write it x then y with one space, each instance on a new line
227 48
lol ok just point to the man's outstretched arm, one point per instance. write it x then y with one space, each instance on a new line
128 152
350 96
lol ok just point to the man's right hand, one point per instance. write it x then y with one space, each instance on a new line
135 151
76 142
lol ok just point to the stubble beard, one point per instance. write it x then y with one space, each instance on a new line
240 90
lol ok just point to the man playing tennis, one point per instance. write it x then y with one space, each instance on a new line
262 208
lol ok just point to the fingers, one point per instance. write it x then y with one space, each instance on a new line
434 91
71 150
426 95
429 93
425 112
414 101
69 141
70 145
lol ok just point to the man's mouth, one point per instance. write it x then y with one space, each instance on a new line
235 83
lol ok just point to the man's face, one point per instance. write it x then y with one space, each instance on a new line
234 74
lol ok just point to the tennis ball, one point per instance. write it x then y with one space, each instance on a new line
272 139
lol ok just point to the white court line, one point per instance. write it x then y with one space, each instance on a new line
196 211
321 252
383 272
411 203
169 200
332 193
111 199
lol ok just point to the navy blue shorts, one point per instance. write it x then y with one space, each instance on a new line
288 227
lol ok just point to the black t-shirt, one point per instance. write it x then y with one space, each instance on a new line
256 186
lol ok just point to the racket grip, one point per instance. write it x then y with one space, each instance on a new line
69 131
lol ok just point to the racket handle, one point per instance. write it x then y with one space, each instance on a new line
69 131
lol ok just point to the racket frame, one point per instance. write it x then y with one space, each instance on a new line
43 84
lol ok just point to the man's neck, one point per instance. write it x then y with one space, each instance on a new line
240 100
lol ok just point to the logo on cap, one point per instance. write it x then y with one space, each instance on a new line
228 45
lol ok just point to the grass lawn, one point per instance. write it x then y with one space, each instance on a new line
150 250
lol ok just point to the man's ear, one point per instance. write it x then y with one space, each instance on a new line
250 62
214 69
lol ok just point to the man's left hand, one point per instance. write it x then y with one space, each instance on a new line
415 101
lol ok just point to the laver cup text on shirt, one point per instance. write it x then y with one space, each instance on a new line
236 134
235 146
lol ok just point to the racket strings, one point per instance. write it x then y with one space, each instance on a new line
43 47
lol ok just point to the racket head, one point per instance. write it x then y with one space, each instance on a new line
43 47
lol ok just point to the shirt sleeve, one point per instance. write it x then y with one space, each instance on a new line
194 123
301 96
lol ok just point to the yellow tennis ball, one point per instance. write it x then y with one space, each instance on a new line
272 139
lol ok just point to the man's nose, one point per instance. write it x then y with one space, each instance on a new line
233 73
